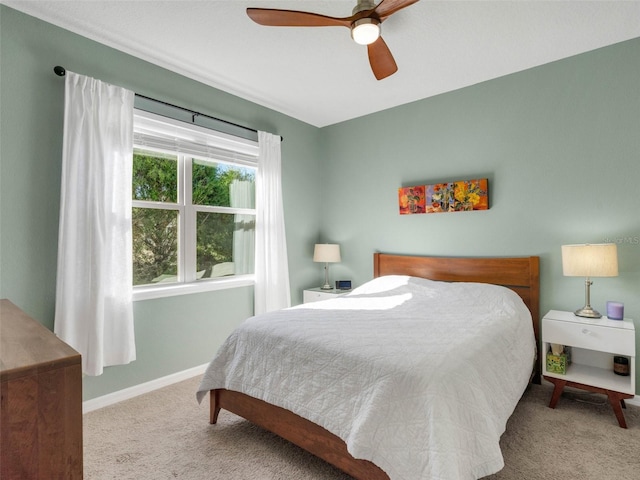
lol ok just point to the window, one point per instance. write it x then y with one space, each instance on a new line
193 211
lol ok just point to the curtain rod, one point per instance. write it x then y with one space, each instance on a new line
61 72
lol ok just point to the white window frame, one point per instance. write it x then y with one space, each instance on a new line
190 142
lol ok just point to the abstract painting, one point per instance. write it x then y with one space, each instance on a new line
459 196
411 200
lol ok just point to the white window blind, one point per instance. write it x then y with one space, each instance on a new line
164 134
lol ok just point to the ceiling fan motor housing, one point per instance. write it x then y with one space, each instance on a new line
363 5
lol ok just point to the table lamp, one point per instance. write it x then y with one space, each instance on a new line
589 260
327 253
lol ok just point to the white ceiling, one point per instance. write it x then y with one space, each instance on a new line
319 75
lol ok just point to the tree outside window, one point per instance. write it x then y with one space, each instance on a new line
201 227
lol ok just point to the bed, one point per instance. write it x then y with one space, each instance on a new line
374 445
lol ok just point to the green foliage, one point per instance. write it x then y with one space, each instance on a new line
155 232
155 178
212 186
211 182
215 240
155 244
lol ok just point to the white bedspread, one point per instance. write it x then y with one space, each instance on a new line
417 376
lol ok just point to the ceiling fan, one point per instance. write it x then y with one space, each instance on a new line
364 24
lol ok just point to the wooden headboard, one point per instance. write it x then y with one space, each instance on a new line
520 274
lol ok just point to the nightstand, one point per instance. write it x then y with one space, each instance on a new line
316 294
594 343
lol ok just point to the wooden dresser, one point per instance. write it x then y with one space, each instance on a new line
41 406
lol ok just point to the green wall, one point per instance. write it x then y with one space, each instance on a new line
559 144
172 334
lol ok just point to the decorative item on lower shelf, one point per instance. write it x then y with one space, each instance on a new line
621 365
558 363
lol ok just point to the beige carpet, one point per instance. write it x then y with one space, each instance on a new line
166 435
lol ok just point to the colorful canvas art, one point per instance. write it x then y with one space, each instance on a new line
411 200
463 195
439 197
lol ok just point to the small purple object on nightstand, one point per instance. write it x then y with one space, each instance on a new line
615 310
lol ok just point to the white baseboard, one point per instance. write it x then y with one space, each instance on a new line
127 393
635 401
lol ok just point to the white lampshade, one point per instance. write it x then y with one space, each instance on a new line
326 252
590 260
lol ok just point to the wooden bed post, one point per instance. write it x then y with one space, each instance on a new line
214 406
534 307
376 265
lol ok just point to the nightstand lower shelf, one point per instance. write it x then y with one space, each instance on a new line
589 375
616 399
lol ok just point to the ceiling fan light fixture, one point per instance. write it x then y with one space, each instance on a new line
365 31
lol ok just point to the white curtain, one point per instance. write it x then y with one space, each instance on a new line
272 269
242 195
94 311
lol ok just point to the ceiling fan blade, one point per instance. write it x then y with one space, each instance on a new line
381 60
291 18
386 8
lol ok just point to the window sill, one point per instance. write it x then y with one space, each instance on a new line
149 292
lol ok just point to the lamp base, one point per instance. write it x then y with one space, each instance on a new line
587 312
326 285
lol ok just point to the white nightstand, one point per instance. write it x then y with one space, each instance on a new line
594 343
316 294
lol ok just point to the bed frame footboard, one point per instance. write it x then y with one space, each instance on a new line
299 431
